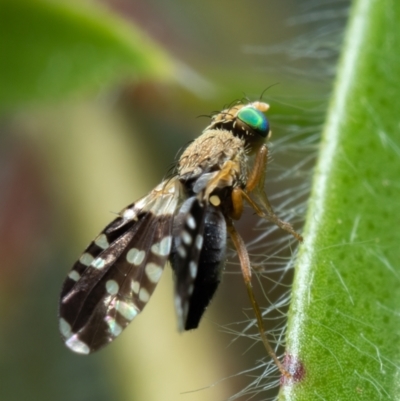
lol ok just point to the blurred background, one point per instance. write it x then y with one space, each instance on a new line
96 99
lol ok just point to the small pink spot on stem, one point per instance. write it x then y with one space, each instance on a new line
295 368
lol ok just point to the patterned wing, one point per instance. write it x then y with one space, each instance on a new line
197 258
116 275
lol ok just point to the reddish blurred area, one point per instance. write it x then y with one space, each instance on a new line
25 212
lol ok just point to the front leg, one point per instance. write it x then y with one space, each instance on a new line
255 183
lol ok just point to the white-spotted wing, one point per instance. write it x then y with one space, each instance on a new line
197 258
116 275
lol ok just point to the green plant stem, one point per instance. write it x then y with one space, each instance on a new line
344 319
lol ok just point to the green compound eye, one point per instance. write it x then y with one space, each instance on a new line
255 119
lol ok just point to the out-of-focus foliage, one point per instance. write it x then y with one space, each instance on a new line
52 49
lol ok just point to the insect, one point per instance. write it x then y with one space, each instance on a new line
185 220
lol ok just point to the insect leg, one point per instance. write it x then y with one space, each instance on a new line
246 271
237 203
259 170
255 183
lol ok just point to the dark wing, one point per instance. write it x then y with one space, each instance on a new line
116 275
197 258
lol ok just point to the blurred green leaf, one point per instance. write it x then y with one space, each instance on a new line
50 50
343 337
